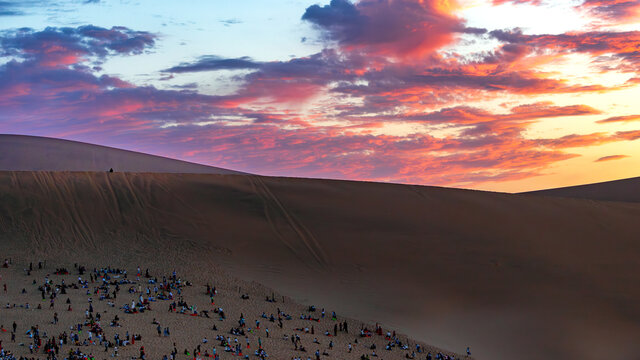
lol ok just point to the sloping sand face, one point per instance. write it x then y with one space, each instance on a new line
32 153
512 276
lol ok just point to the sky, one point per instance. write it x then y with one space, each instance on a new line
494 95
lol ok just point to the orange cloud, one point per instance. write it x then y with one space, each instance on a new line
611 157
625 118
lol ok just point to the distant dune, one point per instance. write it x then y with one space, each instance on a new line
512 276
32 153
626 190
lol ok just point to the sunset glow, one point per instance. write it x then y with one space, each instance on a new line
497 95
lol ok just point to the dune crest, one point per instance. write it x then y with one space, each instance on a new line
625 190
34 153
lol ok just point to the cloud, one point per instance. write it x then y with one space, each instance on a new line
229 22
611 157
214 63
466 115
532 2
289 81
613 10
627 135
584 140
17 7
65 46
375 79
617 45
9 8
395 28
614 119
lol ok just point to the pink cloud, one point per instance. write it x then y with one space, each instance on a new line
395 28
614 10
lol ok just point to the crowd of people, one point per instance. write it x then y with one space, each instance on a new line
100 291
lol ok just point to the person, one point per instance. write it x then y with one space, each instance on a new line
350 347
468 351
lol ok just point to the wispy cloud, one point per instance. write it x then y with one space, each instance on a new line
615 119
213 63
10 8
611 157
229 22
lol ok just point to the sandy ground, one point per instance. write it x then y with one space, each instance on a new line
186 332
512 276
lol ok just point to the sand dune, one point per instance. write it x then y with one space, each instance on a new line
512 276
627 190
33 153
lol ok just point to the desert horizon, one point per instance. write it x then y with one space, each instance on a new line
25 153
